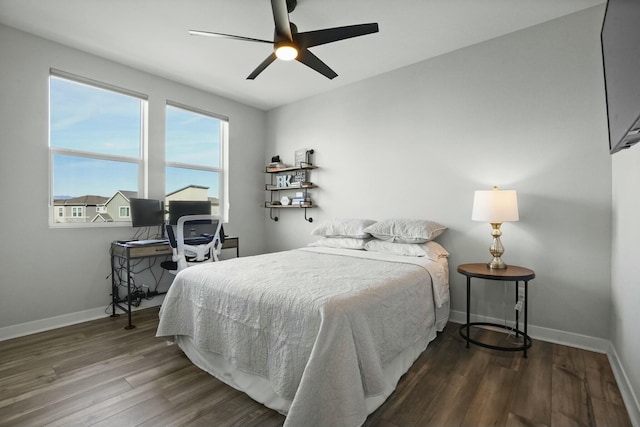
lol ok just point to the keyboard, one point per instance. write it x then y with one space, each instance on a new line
148 242
197 240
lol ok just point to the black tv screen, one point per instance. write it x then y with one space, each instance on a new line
620 39
146 212
178 208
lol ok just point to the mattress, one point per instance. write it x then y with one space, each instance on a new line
321 335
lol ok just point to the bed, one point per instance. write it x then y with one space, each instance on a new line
320 334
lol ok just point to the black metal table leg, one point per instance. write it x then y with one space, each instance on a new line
114 289
517 313
129 325
526 303
468 326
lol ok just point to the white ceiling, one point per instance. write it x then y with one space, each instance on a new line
151 35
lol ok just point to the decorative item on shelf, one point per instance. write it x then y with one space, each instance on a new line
283 181
299 176
285 201
302 158
301 201
275 164
495 207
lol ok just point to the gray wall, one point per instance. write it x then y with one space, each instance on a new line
524 111
625 273
52 272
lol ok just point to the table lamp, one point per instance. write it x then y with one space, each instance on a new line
495 207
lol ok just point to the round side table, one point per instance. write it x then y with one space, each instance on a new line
511 273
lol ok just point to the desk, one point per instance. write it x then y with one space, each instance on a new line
511 273
128 252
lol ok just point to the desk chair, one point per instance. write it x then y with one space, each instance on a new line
186 252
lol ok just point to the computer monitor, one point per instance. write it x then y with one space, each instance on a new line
146 212
178 208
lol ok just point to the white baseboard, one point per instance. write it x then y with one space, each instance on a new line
42 325
584 342
628 395
555 336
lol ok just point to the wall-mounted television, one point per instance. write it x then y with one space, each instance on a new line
620 38
178 208
146 212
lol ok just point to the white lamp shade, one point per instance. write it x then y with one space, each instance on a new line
495 206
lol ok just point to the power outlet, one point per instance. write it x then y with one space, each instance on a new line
520 293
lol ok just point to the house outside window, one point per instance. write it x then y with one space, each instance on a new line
196 161
60 211
97 137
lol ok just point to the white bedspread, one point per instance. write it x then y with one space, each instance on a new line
319 323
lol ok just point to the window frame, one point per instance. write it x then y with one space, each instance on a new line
222 169
141 161
127 210
78 211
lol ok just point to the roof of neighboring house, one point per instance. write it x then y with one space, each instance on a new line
88 200
105 217
184 188
128 195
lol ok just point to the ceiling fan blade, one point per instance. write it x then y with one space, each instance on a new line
262 66
313 62
328 35
227 36
281 19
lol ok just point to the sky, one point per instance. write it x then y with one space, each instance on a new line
94 120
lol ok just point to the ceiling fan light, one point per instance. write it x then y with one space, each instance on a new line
286 52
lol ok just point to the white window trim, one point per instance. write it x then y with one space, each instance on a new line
141 161
128 210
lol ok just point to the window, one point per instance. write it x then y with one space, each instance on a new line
77 212
60 212
96 141
124 212
196 142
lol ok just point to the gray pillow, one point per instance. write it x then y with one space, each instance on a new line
405 230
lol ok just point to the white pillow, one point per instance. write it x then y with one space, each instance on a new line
406 230
340 243
431 250
345 227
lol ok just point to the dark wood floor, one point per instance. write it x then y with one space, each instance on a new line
98 374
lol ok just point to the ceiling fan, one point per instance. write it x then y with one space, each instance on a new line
289 44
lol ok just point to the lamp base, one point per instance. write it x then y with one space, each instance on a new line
497 264
496 250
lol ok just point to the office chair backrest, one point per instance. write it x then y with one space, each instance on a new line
186 253
172 236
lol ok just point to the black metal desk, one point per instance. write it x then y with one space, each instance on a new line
511 273
128 252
